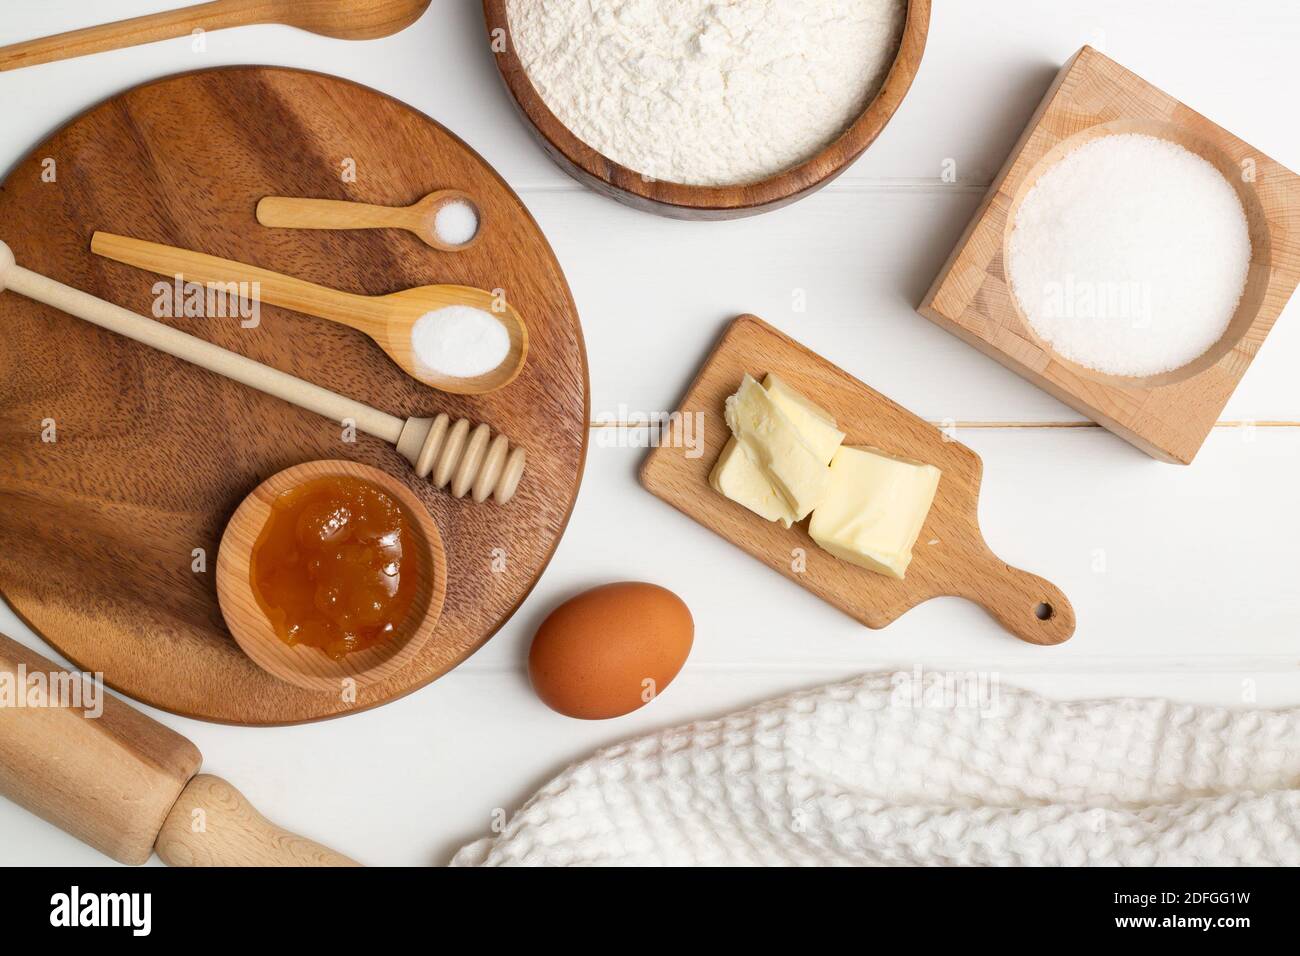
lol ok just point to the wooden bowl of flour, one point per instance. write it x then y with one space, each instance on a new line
681 201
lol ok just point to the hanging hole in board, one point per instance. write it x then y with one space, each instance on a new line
1044 611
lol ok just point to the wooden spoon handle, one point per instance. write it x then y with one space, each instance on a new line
198 351
215 15
1030 607
284 212
356 311
213 824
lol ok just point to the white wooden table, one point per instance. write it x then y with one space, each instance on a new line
1184 579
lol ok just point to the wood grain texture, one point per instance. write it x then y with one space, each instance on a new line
679 201
306 666
342 19
109 779
153 456
388 319
213 824
950 556
1168 416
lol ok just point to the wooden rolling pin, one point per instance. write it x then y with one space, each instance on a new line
127 785
467 458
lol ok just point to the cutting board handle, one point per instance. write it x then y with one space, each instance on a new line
1030 607
213 824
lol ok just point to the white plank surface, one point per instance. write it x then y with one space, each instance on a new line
1184 578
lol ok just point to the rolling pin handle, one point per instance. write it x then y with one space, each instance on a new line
213 824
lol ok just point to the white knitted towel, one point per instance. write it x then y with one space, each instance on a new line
906 769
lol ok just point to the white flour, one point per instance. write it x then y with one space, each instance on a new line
707 92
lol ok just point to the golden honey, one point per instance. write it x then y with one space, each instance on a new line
336 566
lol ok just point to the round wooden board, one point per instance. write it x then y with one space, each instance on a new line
98 529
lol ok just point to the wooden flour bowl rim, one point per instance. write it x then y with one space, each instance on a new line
306 666
680 201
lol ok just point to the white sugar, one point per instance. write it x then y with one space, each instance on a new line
459 341
456 223
1129 255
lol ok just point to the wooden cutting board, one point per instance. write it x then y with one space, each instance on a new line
950 557
101 530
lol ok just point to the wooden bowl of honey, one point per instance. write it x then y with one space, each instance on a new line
331 575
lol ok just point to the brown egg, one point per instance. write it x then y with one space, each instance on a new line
610 650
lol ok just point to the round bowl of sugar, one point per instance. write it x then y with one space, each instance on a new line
694 109
1136 253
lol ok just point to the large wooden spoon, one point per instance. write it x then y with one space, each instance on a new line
388 319
341 19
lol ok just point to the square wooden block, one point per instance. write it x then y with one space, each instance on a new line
1169 415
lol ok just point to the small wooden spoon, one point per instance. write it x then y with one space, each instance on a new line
420 218
387 319
341 19
307 666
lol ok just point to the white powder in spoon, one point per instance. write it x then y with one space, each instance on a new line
456 223
459 341
707 92
1130 255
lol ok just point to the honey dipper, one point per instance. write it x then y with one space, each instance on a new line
454 453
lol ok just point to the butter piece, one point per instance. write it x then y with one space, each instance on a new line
737 476
739 479
874 509
772 441
815 424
